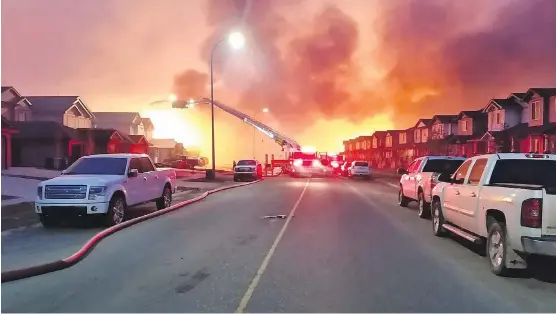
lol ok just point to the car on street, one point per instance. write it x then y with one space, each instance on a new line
305 164
505 199
105 185
248 169
418 180
359 169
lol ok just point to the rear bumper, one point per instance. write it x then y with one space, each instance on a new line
539 246
245 174
361 174
309 171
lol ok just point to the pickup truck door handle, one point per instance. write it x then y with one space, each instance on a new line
457 192
156 177
473 194
145 178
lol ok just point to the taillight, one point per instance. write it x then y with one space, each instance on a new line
316 163
531 213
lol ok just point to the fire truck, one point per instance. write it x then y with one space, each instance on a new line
333 161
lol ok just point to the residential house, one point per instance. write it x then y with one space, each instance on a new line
349 147
541 114
504 118
14 106
472 125
129 123
443 127
138 144
406 149
104 141
391 150
421 134
165 148
362 147
7 130
378 157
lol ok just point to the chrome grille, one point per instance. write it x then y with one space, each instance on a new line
65 192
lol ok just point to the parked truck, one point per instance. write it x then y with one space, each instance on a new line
418 180
106 186
507 200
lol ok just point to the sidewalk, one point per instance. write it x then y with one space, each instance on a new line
31 173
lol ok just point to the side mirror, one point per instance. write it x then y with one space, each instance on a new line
133 173
445 177
402 171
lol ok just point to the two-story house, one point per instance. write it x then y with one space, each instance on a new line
138 130
442 128
406 150
541 116
421 135
51 138
472 125
363 147
378 143
391 148
504 118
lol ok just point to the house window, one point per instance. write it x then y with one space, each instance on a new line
389 140
417 136
438 131
464 125
535 145
536 110
375 143
498 117
21 116
403 138
424 135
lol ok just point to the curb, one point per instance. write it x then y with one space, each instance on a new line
87 248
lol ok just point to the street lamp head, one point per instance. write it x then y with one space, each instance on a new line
265 110
236 40
172 98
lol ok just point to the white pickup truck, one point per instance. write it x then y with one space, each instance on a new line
104 185
418 180
508 199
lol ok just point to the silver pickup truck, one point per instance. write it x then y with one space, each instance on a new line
421 176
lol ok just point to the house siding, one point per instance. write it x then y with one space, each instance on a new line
49 117
34 153
461 129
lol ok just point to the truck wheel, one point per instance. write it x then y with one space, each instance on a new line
497 247
116 211
236 179
424 207
437 219
166 199
402 200
48 222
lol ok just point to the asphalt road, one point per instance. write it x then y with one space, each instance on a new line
349 248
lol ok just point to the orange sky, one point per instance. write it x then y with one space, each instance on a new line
327 70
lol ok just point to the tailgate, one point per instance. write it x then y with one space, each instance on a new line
549 213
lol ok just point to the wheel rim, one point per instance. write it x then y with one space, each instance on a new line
496 248
118 211
400 196
421 205
167 197
436 218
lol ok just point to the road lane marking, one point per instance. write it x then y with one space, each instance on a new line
245 300
391 184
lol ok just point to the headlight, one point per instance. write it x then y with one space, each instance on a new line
39 192
316 163
95 191
298 162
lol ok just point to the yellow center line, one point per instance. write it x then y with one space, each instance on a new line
245 300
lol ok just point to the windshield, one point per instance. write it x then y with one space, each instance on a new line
299 155
246 163
98 166
442 165
361 164
525 171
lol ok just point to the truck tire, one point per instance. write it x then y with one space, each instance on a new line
497 247
165 200
48 222
423 207
402 200
116 211
437 219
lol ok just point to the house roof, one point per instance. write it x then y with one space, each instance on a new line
136 139
426 122
471 113
102 135
44 130
445 118
55 104
393 132
147 122
379 133
518 95
164 143
543 92
18 98
5 88
505 104
118 117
